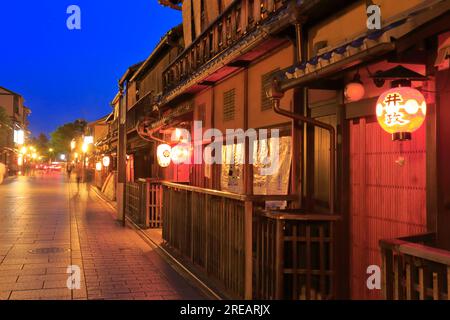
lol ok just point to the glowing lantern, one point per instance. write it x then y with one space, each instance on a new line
354 91
164 155
85 147
98 166
106 161
180 154
401 111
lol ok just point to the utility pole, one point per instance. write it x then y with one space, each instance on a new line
122 157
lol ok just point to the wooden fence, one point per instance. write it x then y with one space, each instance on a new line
294 256
144 203
250 253
209 229
414 270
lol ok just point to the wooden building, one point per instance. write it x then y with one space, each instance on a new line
13 105
314 71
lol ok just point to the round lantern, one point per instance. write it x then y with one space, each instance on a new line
106 161
98 166
401 111
164 155
354 91
180 154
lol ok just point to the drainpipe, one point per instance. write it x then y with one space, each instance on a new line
276 95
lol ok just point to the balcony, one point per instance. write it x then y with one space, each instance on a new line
414 269
237 21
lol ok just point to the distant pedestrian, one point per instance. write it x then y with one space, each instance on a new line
69 171
79 176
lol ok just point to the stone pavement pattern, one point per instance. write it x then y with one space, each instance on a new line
45 212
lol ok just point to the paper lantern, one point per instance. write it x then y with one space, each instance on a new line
106 161
98 166
401 111
164 155
354 91
180 154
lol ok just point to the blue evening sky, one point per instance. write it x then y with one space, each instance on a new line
65 75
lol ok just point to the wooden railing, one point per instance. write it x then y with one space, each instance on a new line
246 251
144 203
153 206
415 270
208 228
294 254
232 25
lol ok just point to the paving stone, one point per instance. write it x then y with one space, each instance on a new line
115 263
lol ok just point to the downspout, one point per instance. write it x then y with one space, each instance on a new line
276 95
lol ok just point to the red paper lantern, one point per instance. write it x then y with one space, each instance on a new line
401 111
354 91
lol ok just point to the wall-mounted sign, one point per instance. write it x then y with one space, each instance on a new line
88 140
19 137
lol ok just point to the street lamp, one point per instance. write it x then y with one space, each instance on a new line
84 148
50 151
73 144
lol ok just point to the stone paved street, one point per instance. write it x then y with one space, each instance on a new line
44 213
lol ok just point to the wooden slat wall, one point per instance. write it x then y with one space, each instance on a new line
387 200
322 161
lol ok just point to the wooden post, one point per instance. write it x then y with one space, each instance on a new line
248 242
343 264
443 158
297 144
279 257
248 185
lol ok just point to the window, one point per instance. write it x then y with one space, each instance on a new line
16 104
229 98
266 82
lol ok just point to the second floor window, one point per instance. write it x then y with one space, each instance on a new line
16 104
229 98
